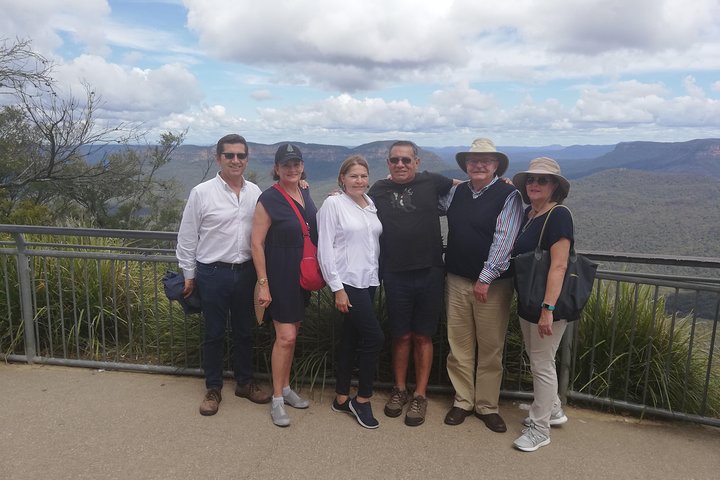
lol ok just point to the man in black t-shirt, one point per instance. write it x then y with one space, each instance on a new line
412 269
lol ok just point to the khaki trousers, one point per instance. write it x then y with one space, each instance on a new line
541 352
476 327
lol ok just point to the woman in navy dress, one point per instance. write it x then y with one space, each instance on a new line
277 247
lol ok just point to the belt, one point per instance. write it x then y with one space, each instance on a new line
231 266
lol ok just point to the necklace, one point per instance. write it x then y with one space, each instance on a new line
537 213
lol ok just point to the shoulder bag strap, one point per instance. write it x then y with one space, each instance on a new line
572 245
303 223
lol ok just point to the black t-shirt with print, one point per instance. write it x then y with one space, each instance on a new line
409 213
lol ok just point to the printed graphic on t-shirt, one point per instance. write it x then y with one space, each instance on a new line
403 200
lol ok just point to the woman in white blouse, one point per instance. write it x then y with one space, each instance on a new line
348 250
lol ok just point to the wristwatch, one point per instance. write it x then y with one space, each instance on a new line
262 281
547 306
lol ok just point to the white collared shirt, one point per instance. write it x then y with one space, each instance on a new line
348 242
216 225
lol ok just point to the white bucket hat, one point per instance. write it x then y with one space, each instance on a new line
483 145
542 166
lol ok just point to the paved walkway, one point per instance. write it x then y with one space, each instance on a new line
72 423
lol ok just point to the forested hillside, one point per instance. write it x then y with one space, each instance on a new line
626 210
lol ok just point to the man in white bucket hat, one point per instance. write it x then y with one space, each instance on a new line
484 216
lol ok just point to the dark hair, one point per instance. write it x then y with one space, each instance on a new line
276 177
349 163
231 138
559 193
404 143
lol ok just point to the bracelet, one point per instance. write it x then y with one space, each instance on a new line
547 306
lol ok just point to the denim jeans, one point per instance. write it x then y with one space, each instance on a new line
361 339
226 295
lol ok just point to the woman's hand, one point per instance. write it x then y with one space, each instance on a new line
545 323
264 297
342 302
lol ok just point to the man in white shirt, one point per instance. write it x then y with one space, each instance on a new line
213 251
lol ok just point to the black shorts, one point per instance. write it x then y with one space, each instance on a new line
414 300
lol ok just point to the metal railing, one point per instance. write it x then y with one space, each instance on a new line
93 298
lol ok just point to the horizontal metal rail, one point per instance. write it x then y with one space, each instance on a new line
101 305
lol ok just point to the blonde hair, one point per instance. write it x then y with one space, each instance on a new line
350 162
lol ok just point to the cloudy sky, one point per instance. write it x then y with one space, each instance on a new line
440 72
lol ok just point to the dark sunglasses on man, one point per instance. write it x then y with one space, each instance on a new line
230 155
396 160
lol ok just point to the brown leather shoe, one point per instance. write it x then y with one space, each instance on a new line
493 421
211 402
253 393
456 416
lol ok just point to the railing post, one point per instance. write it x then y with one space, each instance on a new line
565 361
28 319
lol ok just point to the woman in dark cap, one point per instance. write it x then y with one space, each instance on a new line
543 187
277 248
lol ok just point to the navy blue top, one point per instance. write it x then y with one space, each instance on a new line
560 225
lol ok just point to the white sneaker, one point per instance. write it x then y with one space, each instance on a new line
295 400
557 417
531 440
279 415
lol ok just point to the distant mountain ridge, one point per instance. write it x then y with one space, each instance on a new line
192 164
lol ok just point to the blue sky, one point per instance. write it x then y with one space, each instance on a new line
526 72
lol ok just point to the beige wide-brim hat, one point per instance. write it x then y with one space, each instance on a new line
483 145
542 166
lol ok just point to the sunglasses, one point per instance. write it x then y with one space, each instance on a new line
230 156
396 160
539 180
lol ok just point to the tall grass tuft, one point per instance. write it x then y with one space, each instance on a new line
628 348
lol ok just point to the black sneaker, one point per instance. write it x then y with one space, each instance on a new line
341 407
363 413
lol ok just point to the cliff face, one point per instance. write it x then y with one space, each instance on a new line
696 157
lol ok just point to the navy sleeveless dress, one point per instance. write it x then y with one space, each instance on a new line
283 252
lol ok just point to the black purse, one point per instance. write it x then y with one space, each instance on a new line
531 271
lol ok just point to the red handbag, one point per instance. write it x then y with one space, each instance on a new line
311 278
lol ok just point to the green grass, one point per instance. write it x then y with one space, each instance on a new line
628 348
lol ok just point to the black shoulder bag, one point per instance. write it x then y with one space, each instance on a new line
531 271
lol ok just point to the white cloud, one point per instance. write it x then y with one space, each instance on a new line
262 95
362 45
44 20
143 93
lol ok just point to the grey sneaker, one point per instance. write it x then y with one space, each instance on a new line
279 415
557 417
416 412
531 440
295 400
398 399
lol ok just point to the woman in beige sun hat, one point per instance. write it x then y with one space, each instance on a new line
543 187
